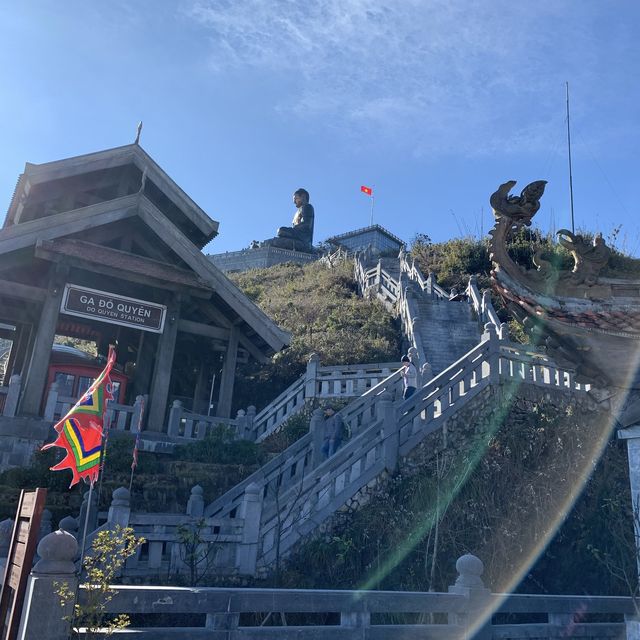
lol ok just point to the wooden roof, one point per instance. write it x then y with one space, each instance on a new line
172 250
205 228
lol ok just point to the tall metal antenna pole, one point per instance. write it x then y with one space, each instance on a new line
573 228
372 203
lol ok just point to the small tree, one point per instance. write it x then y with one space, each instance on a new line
196 549
109 551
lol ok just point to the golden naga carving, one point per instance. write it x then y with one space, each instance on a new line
587 322
514 212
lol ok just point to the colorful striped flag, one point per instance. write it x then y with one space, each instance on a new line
80 431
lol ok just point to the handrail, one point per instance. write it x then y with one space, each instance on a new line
482 304
297 452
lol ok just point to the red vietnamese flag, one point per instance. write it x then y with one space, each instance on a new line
367 190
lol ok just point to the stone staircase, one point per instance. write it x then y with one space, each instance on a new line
260 520
449 329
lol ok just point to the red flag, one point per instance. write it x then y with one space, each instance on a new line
80 431
367 190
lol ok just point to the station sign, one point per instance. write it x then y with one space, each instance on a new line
115 309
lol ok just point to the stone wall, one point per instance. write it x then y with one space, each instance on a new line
258 258
19 439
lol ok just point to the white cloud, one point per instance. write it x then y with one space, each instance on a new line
446 73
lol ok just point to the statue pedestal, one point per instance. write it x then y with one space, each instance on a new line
259 258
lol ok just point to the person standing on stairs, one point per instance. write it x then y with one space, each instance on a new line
409 377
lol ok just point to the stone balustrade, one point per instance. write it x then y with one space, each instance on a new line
122 417
9 396
468 609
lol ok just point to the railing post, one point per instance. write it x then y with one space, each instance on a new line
311 376
484 305
43 614
356 620
6 529
251 417
390 433
503 332
316 427
251 512
137 415
175 416
476 618
92 521
52 399
490 335
13 396
70 525
195 505
120 508
241 424
632 624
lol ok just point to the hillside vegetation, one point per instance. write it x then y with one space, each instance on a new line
325 315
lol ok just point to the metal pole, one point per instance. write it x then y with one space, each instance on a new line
573 228
86 524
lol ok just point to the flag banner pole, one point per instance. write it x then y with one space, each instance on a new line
86 526
103 458
372 201
136 444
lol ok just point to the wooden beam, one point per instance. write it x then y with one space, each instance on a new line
163 368
275 337
228 376
201 329
121 274
41 353
22 291
63 224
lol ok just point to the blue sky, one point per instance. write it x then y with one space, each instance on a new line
434 102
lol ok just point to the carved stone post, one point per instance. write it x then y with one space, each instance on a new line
138 414
120 508
490 335
195 506
13 396
316 427
391 434
70 525
476 617
43 616
251 512
311 377
52 400
241 424
6 529
92 521
632 435
175 415
251 416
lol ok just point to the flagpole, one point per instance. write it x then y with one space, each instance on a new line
86 525
134 463
372 202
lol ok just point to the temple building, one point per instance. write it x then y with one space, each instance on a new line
105 247
374 238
